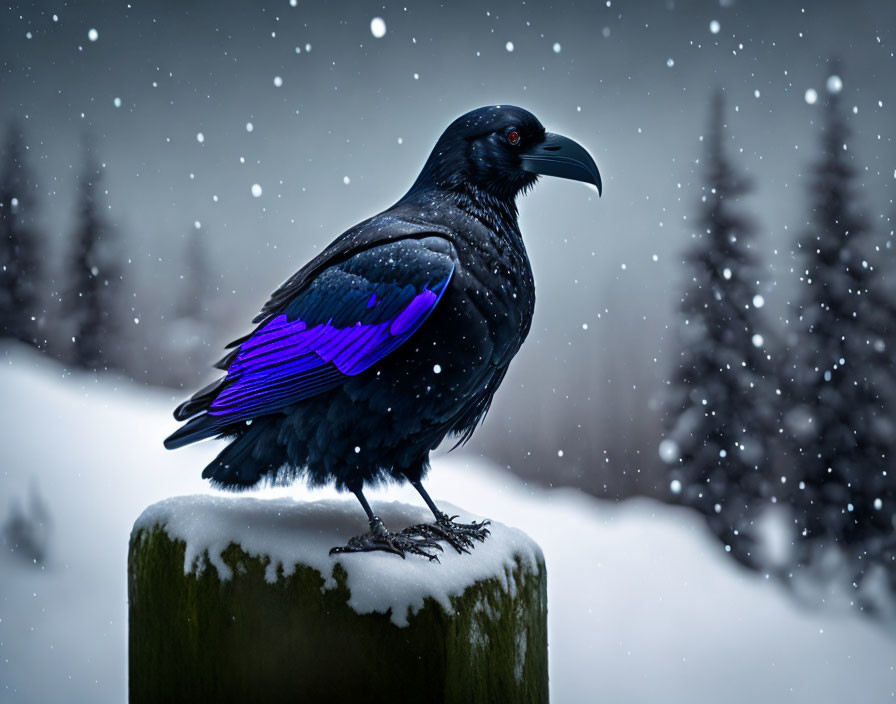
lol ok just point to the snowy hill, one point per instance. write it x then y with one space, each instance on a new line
643 605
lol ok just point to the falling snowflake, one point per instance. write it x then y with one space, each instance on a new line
669 452
378 27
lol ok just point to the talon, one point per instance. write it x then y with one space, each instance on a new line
379 538
460 536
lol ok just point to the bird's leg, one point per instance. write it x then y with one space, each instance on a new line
459 535
379 538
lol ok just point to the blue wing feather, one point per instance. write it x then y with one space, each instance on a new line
350 317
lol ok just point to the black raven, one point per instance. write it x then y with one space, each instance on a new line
397 335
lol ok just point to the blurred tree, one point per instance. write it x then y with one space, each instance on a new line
191 334
20 243
839 391
718 408
197 293
93 303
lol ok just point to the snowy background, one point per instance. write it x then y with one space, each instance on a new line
163 166
643 605
185 114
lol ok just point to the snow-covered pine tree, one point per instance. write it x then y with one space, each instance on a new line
20 260
93 303
882 303
718 409
839 390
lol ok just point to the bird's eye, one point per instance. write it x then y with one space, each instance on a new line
513 137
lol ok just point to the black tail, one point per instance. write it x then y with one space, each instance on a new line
251 455
200 428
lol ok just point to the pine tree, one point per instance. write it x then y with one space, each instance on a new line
191 333
94 298
717 415
881 548
196 297
20 270
839 392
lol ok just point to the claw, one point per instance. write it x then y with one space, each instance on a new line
379 538
460 536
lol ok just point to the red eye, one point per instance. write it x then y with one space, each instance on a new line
514 137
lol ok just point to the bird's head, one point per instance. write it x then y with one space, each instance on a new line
502 149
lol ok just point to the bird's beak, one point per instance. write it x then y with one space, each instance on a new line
559 156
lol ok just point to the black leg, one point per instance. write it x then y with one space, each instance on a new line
379 538
459 535
429 502
366 506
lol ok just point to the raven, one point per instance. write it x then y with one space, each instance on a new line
397 335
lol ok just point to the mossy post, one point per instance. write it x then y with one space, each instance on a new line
228 621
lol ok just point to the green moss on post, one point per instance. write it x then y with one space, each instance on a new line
195 637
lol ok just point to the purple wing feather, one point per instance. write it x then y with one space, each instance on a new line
286 360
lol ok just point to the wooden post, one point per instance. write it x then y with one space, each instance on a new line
271 631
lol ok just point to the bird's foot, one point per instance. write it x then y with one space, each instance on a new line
379 538
460 536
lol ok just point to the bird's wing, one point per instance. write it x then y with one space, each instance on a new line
378 230
347 318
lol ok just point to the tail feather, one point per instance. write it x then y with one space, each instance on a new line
247 459
199 428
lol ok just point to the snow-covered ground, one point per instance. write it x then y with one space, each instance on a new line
643 605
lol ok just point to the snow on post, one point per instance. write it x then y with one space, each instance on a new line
238 599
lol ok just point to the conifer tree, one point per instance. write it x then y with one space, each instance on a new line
197 290
20 270
94 297
191 333
839 388
718 411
